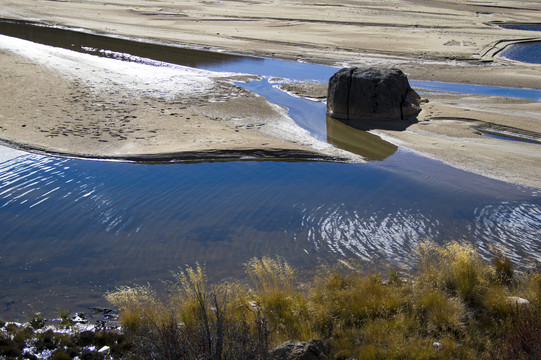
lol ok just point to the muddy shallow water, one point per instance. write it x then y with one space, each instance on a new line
72 229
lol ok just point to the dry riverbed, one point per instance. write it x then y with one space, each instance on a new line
58 109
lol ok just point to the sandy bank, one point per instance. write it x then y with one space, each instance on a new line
451 127
61 102
454 128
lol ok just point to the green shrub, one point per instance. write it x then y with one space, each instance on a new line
60 355
37 321
8 348
65 319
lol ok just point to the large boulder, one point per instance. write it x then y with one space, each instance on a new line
371 94
292 350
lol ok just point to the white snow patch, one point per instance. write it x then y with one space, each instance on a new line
145 76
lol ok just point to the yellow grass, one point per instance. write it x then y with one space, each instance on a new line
455 306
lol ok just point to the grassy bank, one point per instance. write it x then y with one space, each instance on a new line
454 306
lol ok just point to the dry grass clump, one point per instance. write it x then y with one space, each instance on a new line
283 305
139 305
198 320
456 305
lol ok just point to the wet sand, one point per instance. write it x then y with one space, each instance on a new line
429 40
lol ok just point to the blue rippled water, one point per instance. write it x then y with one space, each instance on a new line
73 228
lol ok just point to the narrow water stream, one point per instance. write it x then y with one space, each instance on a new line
72 229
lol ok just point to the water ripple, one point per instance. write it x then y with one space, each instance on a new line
514 227
366 234
68 222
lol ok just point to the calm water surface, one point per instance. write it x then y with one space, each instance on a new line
72 229
522 26
525 52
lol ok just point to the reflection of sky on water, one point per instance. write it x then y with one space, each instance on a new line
70 222
525 52
278 68
528 94
310 115
522 26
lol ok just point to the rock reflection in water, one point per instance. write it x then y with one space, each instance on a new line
360 142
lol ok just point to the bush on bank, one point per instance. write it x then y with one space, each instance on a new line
456 305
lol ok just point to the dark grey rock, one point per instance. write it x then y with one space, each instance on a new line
371 94
292 350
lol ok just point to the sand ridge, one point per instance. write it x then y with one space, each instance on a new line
66 103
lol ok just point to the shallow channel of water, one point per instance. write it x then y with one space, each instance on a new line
72 229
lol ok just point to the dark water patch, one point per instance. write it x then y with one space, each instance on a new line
528 52
108 46
520 26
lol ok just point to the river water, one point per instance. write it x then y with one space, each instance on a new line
73 229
